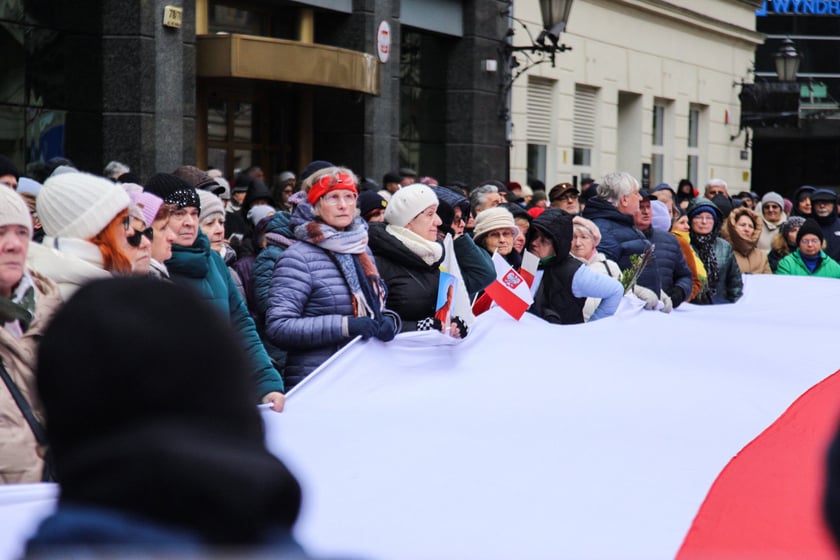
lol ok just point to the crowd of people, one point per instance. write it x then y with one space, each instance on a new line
300 268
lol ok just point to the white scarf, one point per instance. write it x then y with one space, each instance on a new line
429 251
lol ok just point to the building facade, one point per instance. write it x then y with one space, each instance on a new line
371 84
647 88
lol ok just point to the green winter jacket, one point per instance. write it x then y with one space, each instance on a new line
201 269
795 266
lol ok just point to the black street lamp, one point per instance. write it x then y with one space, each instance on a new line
555 15
787 61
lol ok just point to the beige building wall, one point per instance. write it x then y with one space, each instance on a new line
636 54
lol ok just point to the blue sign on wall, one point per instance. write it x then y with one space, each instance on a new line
799 7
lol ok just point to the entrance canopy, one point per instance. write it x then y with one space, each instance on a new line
266 58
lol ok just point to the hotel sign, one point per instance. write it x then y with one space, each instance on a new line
799 8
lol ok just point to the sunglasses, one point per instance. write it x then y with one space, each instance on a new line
137 238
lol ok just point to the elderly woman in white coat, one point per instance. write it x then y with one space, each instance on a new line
585 248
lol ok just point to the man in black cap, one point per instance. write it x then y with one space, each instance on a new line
824 211
9 173
565 197
408 176
391 183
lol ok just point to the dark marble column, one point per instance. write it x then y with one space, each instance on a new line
148 86
475 136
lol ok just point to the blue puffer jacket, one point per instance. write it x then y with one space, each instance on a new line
620 239
308 309
278 238
673 270
201 269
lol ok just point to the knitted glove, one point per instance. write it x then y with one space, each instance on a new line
386 329
647 296
362 326
429 324
666 302
677 296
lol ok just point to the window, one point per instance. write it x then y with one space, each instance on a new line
537 162
661 142
695 113
586 104
539 104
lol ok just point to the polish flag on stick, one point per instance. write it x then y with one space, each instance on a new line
510 290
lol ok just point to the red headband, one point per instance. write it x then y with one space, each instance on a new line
343 182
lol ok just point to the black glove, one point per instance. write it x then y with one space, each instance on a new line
386 329
677 296
462 326
362 326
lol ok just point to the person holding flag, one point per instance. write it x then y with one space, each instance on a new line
564 282
409 258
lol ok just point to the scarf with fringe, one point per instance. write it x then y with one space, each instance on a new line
705 246
348 250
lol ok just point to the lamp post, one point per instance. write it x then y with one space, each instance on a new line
555 15
787 61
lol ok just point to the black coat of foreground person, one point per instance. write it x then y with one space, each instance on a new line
157 445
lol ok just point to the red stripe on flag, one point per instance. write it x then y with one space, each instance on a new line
507 300
526 274
482 304
767 502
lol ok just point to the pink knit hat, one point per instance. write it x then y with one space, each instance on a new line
148 203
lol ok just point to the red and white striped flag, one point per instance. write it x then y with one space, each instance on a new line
528 270
510 290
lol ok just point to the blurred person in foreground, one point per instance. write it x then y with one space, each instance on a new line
179 471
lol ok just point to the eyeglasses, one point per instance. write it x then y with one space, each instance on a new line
341 197
567 197
137 238
806 241
703 218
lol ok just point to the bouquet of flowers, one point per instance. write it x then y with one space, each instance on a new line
638 263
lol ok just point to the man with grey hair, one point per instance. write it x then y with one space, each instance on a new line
115 169
613 211
715 187
484 197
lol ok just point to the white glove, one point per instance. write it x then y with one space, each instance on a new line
647 296
667 304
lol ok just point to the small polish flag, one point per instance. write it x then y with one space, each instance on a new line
528 270
509 290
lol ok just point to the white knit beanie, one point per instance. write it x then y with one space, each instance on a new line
79 205
13 210
774 198
494 218
408 202
260 211
210 205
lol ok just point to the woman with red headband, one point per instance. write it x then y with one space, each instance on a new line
326 289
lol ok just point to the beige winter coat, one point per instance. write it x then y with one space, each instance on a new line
20 457
750 258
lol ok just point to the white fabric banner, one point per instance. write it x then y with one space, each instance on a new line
530 440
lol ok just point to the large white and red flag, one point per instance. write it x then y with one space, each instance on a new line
510 290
